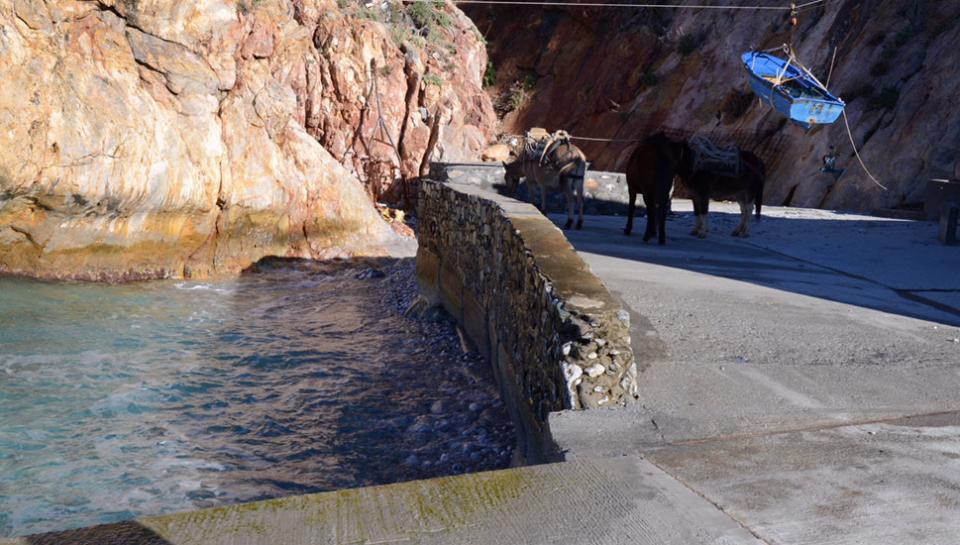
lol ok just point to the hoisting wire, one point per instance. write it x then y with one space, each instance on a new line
618 140
830 73
617 5
857 153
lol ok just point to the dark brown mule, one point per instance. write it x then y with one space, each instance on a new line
746 189
650 172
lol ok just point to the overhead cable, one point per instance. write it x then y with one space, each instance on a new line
618 5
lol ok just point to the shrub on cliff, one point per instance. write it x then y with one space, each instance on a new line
490 75
429 15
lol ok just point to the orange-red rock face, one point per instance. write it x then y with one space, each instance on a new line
623 73
181 138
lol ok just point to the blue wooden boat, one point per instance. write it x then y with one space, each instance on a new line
791 89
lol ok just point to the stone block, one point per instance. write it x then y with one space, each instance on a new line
451 290
939 195
428 274
475 323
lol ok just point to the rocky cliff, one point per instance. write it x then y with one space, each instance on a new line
622 73
169 138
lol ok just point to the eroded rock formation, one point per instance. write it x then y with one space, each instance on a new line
149 138
622 73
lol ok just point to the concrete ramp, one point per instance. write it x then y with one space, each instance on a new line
625 501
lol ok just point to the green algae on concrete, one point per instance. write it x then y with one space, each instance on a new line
362 515
620 501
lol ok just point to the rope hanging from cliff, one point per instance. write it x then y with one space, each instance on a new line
857 153
381 124
615 5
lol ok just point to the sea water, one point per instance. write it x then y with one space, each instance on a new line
149 398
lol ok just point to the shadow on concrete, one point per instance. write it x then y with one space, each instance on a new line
893 266
121 533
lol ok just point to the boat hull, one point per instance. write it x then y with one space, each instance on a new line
803 100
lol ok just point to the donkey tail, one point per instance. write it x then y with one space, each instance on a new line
758 201
758 194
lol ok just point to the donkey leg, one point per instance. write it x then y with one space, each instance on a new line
705 223
662 222
697 221
652 213
580 203
631 208
568 196
743 230
697 225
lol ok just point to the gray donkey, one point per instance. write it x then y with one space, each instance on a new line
548 163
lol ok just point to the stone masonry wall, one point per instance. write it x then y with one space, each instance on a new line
556 338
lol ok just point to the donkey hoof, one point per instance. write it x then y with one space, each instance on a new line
567 225
627 231
701 235
579 225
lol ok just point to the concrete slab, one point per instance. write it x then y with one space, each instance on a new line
808 387
621 501
757 342
893 483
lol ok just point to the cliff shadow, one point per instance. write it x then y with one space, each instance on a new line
894 266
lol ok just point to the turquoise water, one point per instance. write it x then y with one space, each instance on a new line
118 401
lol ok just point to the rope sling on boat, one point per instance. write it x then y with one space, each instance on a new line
791 59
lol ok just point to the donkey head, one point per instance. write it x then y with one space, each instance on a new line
512 172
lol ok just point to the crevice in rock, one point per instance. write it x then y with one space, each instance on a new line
826 196
789 199
306 238
129 22
29 237
213 239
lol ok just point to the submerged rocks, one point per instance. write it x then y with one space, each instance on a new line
463 426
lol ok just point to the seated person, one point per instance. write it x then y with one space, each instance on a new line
830 164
